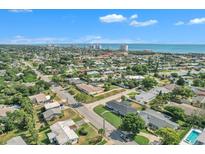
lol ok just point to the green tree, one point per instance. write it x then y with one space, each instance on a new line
132 123
175 75
140 69
184 91
149 82
169 136
195 120
198 83
181 81
176 112
107 86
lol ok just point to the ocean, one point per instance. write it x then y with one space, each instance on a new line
166 48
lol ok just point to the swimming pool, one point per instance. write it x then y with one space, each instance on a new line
192 137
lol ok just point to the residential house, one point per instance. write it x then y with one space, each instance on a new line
52 110
145 97
62 132
16 141
4 109
51 113
52 105
134 77
121 108
93 73
75 81
40 98
89 89
156 120
198 101
199 91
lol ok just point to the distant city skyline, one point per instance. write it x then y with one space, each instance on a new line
102 26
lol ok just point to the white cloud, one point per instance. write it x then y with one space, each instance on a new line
179 23
134 16
21 11
89 39
197 21
143 23
100 39
112 18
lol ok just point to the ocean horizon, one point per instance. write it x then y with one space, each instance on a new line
167 48
162 48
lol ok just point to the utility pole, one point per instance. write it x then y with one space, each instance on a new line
103 126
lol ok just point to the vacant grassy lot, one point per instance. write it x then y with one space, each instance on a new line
141 140
112 118
92 133
136 106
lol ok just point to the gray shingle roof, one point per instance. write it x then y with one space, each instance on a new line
49 114
120 107
157 119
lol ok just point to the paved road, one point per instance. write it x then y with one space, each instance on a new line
87 110
104 101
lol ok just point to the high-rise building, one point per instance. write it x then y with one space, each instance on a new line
95 46
124 47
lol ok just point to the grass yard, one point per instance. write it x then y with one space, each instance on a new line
29 78
7 136
42 136
136 106
112 118
1 80
103 142
67 114
85 98
132 95
182 132
141 140
92 133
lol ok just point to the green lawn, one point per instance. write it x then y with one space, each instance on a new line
7 136
112 118
182 132
92 133
67 114
141 140
132 95
42 136
29 78
1 80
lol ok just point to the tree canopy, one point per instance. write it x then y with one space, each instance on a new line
132 123
169 136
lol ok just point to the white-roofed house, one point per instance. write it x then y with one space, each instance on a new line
62 132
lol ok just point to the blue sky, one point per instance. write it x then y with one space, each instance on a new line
102 26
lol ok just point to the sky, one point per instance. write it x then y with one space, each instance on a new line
102 26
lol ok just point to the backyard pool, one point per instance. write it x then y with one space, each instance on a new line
192 137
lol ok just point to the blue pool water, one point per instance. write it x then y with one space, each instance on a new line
192 137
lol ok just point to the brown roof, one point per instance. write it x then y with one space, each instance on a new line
89 88
39 97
